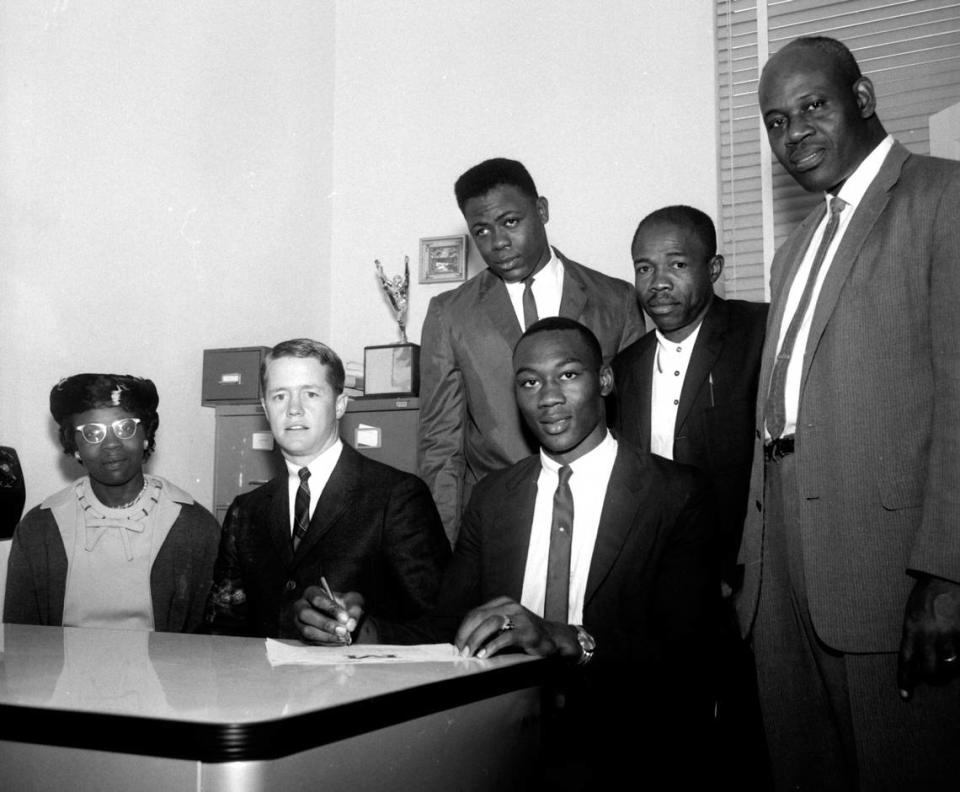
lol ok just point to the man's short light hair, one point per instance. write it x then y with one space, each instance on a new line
306 348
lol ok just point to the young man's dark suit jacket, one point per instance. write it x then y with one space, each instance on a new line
375 530
469 421
715 418
651 592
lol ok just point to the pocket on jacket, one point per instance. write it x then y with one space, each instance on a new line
902 491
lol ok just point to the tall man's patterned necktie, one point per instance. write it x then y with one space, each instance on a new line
775 409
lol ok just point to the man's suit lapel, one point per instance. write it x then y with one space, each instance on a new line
515 522
626 492
277 507
865 217
495 303
573 300
705 353
643 373
337 494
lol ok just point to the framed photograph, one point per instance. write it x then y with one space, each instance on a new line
443 259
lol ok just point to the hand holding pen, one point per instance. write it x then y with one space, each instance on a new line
322 617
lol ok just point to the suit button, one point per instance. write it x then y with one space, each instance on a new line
290 585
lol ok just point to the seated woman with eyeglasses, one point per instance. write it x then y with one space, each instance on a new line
118 548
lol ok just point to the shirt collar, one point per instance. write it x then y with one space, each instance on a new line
607 447
551 272
855 187
687 342
322 466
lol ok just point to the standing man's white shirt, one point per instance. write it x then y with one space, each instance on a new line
670 362
588 484
547 290
852 192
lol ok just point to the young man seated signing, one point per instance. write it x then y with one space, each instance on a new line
587 550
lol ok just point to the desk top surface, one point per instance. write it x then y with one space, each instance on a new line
219 694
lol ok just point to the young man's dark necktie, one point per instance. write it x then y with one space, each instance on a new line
529 304
556 601
301 508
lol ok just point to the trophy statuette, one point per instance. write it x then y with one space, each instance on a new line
393 369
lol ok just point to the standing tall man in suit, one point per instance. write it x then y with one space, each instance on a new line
852 552
687 391
362 525
469 423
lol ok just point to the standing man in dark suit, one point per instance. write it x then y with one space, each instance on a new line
852 551
364 526
687 391
469 424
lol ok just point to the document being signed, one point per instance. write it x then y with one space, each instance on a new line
283 653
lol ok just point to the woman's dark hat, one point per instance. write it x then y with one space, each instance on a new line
83 392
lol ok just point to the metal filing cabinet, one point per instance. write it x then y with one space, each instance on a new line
245 454
384 429
232 376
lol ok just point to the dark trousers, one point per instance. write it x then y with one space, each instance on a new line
835 721
738 740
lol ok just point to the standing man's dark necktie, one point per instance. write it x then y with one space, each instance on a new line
529 304
301 508
556 602
775 409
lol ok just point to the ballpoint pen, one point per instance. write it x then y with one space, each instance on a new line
329 593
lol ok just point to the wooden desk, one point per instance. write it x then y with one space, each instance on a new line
124 710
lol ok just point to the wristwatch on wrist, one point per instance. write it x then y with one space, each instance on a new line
587 645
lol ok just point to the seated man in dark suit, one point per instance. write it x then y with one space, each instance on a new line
590 551
336 515
687 391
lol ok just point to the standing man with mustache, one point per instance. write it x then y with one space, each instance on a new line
852 542
367 529
469 422
687 391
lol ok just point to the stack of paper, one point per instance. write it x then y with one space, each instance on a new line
282 653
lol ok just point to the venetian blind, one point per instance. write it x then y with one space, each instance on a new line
910 49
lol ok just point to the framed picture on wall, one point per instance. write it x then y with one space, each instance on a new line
443 259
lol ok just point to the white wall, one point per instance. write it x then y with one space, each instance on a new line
611 106
184 175
165 172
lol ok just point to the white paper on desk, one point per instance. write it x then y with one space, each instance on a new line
280 653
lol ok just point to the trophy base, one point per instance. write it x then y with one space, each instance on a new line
391 370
